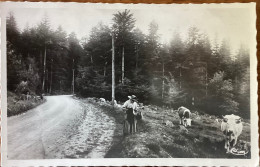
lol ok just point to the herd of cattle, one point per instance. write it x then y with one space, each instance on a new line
231 125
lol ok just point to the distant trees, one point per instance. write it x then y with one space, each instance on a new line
40 57
152 47
94 78
60 64
13 57
190 71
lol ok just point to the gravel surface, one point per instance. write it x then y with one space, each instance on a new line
62 127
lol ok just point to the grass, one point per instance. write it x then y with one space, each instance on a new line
155 139
16 106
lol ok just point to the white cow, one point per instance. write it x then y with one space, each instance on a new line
232 127
102 100
185 115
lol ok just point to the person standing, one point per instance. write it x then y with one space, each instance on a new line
131 111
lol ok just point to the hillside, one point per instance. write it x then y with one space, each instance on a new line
160 135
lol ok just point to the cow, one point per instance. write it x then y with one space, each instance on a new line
232 127
102 100
184 115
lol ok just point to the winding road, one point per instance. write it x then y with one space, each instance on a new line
62 127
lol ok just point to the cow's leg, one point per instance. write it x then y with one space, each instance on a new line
235 141
182 121
228 146
185 123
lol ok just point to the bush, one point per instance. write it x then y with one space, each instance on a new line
220 100
17 106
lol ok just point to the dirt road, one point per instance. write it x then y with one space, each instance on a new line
62 127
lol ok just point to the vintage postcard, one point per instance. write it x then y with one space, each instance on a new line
128 84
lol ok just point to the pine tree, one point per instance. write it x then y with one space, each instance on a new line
124 23
14 59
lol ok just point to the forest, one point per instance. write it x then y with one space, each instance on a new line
193 71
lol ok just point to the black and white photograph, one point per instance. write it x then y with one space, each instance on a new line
164 84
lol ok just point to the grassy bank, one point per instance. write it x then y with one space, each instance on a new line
16 105
160 135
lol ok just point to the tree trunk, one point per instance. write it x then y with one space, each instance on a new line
51 75
206 80
105 68
41 64
136 60
123 64
113 70
44 69
180 77
47 80
163 80
91 59
73 81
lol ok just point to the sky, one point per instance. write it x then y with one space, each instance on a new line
232 22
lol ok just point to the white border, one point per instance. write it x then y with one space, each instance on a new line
4 6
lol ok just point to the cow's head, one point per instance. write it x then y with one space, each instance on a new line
187 122
230 122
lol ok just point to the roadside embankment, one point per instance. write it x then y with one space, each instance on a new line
17 105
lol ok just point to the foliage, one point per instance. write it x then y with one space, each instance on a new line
124 23
190 70
220 100
15 105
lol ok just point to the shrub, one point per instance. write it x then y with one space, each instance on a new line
220 99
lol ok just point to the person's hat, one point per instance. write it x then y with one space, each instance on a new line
133 97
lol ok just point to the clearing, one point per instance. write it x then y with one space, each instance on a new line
160 135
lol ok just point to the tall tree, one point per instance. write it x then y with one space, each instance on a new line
139 45
225 58
152 63
58 61
164 60
96 62
152 47
241 80
177 56
176 49
14 59
193 75
12 33
98 48
74 53
44 40
124 23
